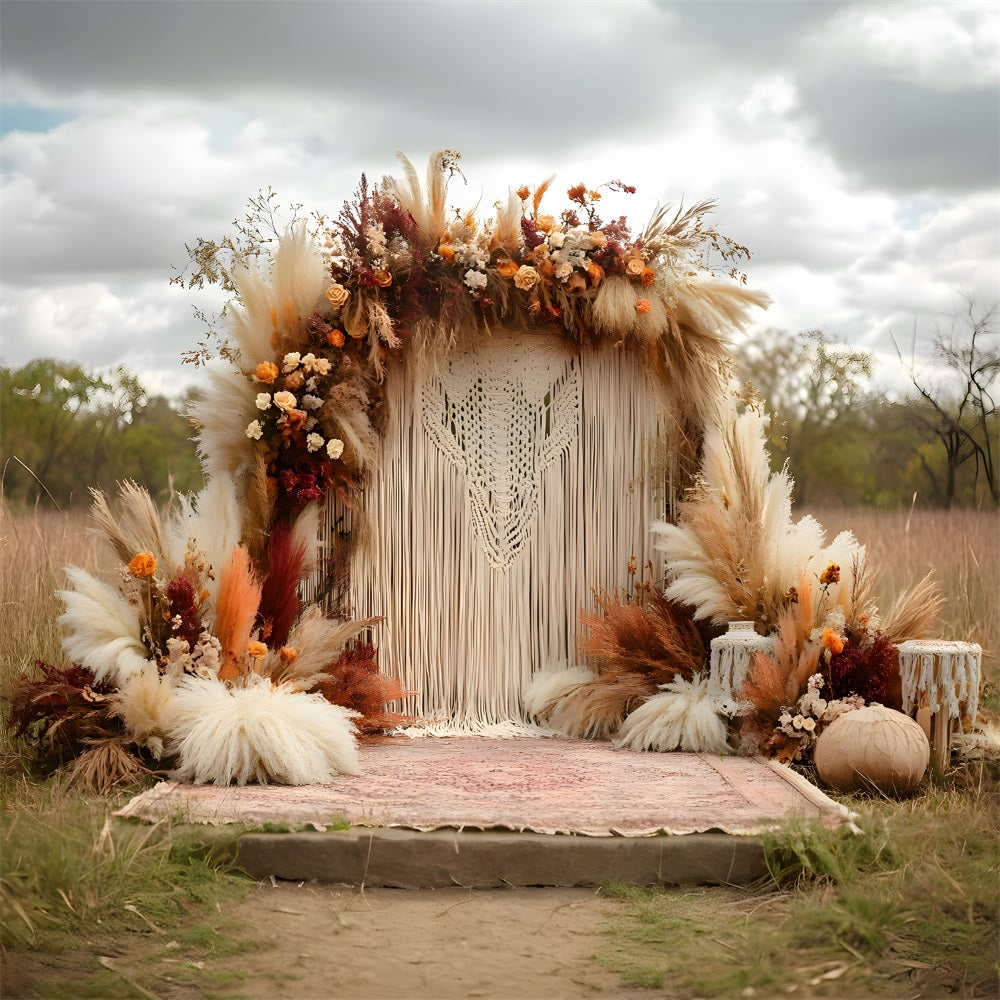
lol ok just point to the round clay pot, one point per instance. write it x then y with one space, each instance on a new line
872 748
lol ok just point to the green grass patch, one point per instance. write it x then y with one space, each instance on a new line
908 906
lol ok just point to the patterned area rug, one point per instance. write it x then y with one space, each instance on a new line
540 785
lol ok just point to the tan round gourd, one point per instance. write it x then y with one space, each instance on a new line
872 748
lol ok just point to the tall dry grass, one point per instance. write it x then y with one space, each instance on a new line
962 547
35 546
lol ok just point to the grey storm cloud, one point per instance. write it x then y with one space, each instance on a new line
903 136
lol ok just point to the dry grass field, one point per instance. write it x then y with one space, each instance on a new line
908 909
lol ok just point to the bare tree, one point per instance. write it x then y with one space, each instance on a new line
962 411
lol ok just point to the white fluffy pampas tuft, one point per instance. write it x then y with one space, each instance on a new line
683 716
259 732
550 685
145 703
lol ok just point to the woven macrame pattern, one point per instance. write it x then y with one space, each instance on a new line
503 414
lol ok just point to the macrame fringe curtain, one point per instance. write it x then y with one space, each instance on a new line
466 625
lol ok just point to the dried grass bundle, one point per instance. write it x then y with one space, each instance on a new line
136 527
594 710
914 612
106 765
776 682
657 639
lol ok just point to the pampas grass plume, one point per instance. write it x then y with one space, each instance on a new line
683 716
103 632
236 610
258 732
550 685
145 703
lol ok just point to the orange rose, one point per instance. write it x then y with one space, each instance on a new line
256 649
285 401
383 279
596 274
643 306
648 275
506 268
335 338
143 564
598 238
446 252
832 641
267 371
337 295
634 266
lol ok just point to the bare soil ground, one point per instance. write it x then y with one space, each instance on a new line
322 941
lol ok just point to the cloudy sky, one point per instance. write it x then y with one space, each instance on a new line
852 146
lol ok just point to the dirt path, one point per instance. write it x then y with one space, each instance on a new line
446 943
325 941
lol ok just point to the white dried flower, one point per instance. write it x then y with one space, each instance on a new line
311 402
335 448
314 442
798 721
809 724
556 239
475 279
263 400
291 361
254 430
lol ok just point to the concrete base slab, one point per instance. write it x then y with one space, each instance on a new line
406 859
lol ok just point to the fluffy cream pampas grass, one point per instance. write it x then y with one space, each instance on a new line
145 703
255 731
550 686
103 632
683 716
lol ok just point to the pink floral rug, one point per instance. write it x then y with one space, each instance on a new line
540 785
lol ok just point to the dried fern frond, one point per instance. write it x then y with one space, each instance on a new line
914 611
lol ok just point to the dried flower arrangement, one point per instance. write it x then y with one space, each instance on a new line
208 656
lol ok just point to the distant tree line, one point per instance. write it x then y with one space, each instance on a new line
64 428
847 444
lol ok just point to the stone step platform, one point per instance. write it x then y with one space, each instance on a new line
475 811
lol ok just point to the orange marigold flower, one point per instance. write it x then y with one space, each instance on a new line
524 192
256 649
289 654
383 279
335 338
143 564
643 306
446 251
267 371
506 268
577 193
648 276
832 641
830 575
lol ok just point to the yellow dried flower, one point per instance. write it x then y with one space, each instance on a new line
256 649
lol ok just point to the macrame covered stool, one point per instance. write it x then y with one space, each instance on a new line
941 678
730 661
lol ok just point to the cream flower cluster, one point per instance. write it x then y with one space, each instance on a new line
811 713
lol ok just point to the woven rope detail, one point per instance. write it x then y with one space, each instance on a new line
503 414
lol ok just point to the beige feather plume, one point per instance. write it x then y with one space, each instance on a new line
548 686
318 640
145 703
103 631
222 416
682 716
258 732
506 234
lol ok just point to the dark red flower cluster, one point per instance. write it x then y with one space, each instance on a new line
867 666
183 604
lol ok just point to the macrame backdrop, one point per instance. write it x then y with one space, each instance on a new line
516 475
